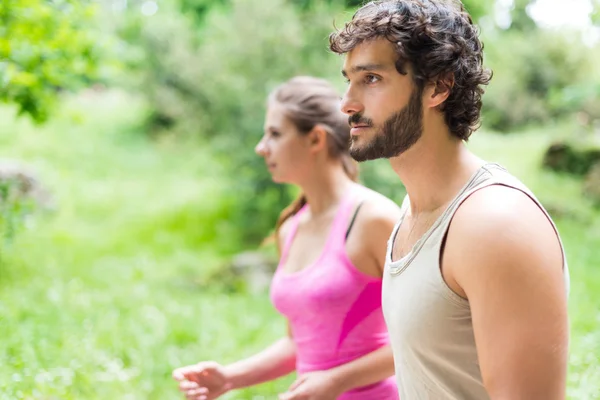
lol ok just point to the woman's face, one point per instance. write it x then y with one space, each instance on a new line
285 150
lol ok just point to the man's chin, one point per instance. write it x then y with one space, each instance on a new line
361 154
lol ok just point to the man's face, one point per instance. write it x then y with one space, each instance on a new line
384 107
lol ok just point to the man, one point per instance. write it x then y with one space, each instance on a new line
475 282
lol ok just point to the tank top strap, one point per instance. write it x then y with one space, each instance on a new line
485 176
490 174
295 221
498 175
345 212
438 230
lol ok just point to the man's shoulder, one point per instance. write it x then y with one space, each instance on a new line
500 204
501 223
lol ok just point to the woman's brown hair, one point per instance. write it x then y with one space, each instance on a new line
309 102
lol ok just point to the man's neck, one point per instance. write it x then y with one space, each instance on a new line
433 171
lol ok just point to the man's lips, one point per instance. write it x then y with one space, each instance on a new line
358 128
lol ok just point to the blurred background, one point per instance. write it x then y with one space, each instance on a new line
132 205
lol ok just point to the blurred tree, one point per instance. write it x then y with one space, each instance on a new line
596 13
199 8
532 87
479 8
520 19
45 46
351 4
205 68
211 81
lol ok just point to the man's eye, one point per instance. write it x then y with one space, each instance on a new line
371 78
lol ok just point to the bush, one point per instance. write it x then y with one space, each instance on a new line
45 47
21 193
591 187
534 76
571 157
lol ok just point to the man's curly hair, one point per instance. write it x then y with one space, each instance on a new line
439 41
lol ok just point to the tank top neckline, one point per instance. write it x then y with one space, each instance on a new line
397 266
330 241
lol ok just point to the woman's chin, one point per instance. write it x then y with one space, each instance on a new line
279 179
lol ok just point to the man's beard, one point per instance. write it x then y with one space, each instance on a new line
398 133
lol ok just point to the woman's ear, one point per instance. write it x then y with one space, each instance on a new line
317 138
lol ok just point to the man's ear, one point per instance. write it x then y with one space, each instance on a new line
439 91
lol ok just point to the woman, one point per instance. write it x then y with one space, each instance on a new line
328 282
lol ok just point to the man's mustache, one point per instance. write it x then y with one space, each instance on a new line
358 119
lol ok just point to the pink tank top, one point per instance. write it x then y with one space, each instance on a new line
334 310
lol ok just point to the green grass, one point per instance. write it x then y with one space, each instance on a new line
102 298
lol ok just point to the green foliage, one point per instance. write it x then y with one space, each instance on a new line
530 87
572 157
45 47
591 186
216 87
13 210
208 77
103 300
479 8
199 8
380 177
520 19
352 5
476 8
579 97
595 16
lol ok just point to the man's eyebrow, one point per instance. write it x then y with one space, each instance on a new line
364 67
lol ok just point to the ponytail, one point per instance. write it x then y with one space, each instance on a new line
286 214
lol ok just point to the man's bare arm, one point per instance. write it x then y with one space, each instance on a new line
505 257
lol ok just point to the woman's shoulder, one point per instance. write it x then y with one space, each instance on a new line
377 212
376 203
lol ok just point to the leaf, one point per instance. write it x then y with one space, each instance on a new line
45 46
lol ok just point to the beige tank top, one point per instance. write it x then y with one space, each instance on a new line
430 326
